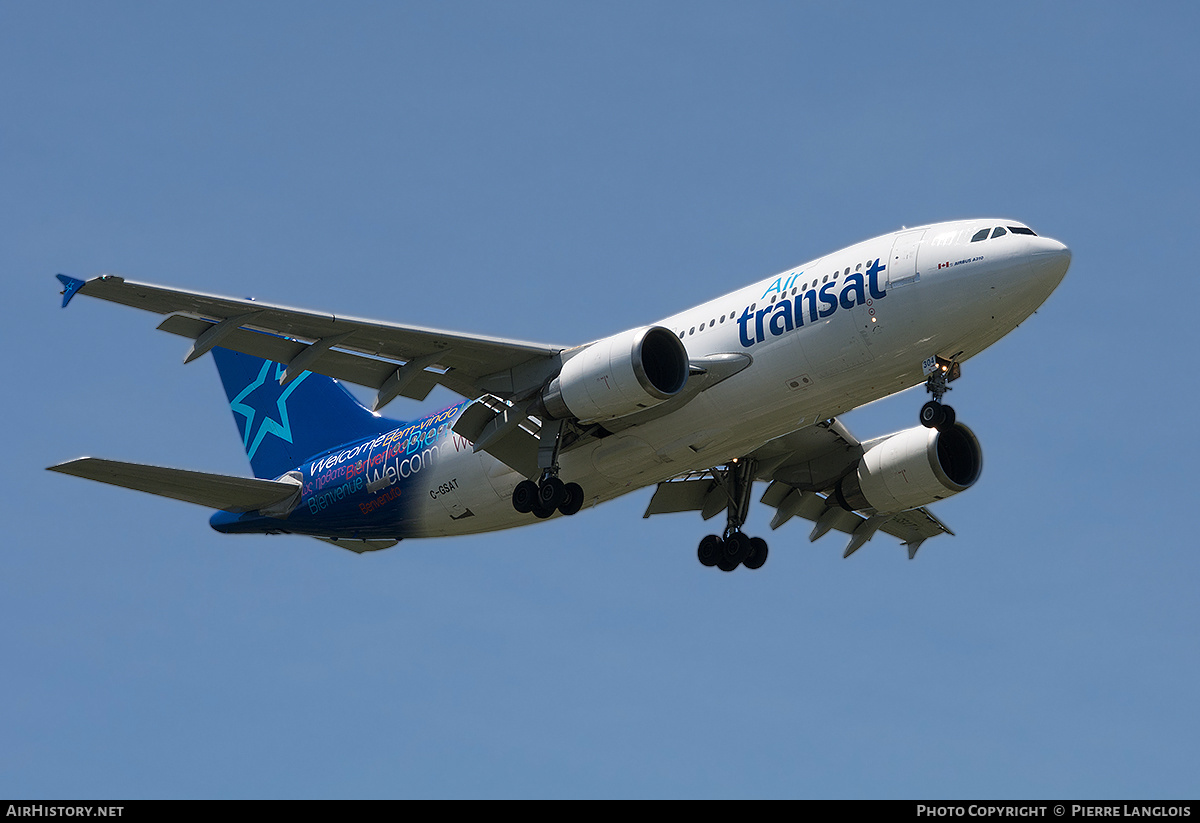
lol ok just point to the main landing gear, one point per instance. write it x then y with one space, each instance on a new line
734 548
547 497
935 415
550 494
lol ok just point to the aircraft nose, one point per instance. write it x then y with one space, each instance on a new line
1049 259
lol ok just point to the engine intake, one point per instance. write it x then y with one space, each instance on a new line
618 376
912 468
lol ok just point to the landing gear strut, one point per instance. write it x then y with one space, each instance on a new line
734 548
935 415
550 494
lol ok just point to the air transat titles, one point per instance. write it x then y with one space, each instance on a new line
786 315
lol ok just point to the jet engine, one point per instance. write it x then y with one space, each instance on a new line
912 468
618 376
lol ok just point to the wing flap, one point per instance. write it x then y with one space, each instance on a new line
216 491
914 528
516 447
679 496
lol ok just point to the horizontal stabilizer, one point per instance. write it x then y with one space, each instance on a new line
216 491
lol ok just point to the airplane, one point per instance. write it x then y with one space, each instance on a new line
702 405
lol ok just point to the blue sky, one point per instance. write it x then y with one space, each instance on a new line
560 172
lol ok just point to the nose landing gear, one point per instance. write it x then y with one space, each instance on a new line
935 415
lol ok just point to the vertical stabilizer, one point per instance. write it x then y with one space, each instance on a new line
282 426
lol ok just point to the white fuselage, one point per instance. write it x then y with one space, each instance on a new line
937 293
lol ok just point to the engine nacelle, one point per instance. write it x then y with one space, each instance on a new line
618 376
912 468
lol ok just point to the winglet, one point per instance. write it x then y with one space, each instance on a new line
70 286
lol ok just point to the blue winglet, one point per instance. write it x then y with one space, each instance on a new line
70 286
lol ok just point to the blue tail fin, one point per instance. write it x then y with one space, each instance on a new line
282 426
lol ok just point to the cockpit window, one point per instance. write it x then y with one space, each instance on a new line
998 232
982 234
1022 230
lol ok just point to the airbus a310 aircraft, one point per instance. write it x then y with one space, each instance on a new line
704 403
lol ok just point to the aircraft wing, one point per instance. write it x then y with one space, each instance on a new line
216 491
802 468
393 359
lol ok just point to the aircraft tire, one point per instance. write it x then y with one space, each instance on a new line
948 418
932 415
542 513
524 496
758 553
726 564
574 499
709 551
552 493
742 544
734 549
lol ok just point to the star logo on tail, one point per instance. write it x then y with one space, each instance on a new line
281 428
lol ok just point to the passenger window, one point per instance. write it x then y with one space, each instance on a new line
982 234
999 232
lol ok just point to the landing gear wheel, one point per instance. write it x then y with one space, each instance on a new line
573 501
932 415
734 549
709 551
758 554
552 493
541 512
724 563
525 496
948 418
